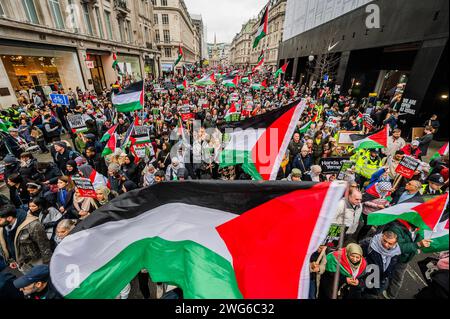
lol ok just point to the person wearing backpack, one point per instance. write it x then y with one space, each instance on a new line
63 155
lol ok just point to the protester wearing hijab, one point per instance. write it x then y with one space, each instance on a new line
83 206
128 186
352 266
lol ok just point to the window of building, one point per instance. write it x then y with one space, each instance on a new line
73 23
146 35
108 25
30 11
99 23
157 36
164 3
154 2
165 19
168 52
2 12
166 34
130 31
121 27
56 12
155 18
87 19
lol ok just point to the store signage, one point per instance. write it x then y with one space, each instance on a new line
407 166
59 99
90 64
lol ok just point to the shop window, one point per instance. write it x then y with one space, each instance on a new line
56 12
30 11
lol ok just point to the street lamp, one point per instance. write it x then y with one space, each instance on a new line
444 96
311 58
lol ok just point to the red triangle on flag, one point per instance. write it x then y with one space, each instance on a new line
431 211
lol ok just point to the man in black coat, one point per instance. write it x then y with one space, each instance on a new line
381 252
14 143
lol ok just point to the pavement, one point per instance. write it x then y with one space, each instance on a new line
413 279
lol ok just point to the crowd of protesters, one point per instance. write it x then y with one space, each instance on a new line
44 204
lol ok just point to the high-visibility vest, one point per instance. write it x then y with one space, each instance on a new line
359 158
369 167
425 190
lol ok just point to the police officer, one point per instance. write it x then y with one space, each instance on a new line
435 183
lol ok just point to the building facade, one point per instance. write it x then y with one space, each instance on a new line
270 44
202 34
241 45
174 27
45 44
218 54
395 49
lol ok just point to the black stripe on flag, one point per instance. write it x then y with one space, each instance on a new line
134 87
358 137
261 121
233 197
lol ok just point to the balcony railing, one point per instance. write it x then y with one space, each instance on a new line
121 6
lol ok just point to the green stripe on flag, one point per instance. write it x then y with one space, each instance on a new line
378 219
129 107
198 271
233 158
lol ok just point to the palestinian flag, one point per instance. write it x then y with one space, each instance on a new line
305 127
260 86
424 215
232 111
231 82
180 55
439 235
263 29
259 143
281 70
206 80
98 180
442 151
182 86
360 117
108 134
140 135
344 264
130 99
213 239
245 79
260 62
371 141
111 146
115 64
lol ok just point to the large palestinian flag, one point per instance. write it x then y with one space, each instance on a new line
263 28
439 235
281 70
111 145
212 239
424 214
130 99
378 139
108 134
259 143
260 86
182 86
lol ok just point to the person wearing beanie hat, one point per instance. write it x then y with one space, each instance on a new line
294 176
11 165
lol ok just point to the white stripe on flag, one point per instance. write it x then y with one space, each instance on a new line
127 98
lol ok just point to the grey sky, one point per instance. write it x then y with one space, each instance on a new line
225 17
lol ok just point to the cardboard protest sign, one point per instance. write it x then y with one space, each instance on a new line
186 113
332 165
77 123
346 165
140 135
344 137
407 166
84 187
368 121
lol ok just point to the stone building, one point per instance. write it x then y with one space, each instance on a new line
45 44
241 45
174 27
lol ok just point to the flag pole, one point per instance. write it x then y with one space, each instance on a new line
338 267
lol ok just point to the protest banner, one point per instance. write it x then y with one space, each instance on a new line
84 187
344 137
140 135
407 166
332 165
368 121
186 113
343 171
77 123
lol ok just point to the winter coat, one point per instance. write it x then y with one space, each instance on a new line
348 215
30 242
407 244
303 163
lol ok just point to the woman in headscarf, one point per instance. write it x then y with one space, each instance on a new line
104 195
148 175
163 157
128 186
130 169
352 266
71 168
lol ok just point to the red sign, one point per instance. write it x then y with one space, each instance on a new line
187 116
407 166
84 187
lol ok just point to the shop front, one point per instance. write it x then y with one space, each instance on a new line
95 62
41 70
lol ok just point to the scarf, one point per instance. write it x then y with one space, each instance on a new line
386 255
